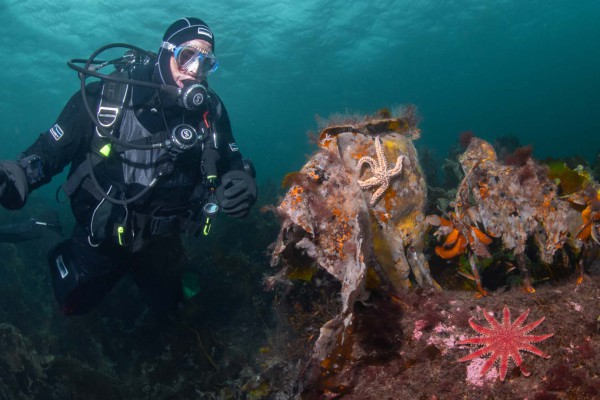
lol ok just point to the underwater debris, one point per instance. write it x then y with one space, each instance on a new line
513 206
505 340
327 217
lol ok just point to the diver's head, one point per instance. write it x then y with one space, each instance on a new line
192 60
186 53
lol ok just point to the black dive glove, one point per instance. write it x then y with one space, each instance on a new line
236 193
13 185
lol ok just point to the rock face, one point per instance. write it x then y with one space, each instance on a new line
20 365
519 205
357 206
515 202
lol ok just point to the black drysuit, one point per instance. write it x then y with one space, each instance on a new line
141 237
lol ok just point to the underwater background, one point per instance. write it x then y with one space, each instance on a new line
526 69
522 68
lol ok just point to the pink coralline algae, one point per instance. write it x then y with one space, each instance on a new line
504 340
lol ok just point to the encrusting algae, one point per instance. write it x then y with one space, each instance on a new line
351 211
515 205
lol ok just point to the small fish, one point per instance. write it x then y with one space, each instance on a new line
31 229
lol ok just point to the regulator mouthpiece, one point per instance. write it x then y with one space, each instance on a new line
193 95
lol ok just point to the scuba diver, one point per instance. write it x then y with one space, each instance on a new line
152 156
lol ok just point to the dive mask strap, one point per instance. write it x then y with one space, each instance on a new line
168 46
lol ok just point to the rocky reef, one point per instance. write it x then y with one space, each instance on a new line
354 223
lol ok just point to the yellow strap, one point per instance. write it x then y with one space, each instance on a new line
120 231
206 227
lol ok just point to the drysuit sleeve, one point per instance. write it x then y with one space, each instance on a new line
55 148
237 190
230 156
64 142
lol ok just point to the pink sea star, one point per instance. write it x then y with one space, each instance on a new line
505 340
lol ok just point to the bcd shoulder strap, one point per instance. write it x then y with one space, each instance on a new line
113 97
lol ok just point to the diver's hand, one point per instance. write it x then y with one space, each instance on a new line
237 193
13 185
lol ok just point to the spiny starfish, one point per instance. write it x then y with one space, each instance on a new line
505 340
381 174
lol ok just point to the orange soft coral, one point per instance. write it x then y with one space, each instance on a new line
457 249
461 236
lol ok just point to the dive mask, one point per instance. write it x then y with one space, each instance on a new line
193 60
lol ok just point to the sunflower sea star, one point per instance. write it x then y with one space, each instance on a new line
381 174
504 340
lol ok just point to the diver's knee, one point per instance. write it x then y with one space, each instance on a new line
79 284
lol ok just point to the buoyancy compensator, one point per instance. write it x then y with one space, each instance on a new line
192 96
183 137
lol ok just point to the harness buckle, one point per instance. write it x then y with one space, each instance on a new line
107 116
